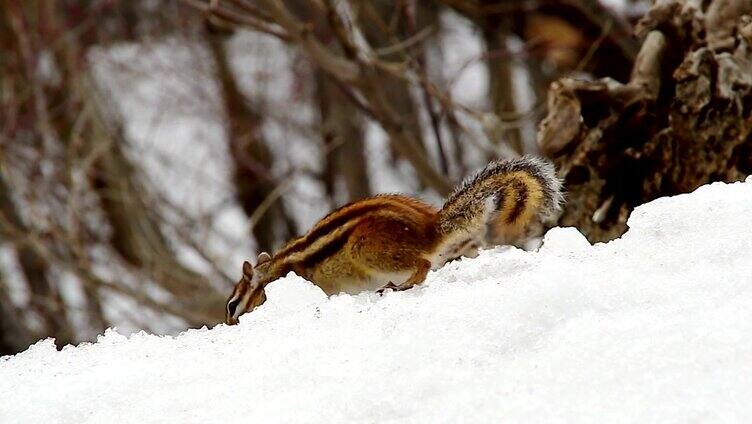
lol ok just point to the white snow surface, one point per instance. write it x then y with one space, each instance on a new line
652 327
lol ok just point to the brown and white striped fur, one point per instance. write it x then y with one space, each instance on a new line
392 241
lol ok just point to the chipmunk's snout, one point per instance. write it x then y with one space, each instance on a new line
244 301
232 312
232 306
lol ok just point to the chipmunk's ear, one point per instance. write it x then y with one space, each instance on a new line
263 258
248 270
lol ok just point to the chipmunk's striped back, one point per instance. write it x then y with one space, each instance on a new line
332 231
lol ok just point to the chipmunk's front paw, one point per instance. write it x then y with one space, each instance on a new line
388 285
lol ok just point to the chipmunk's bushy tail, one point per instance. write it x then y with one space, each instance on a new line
510 193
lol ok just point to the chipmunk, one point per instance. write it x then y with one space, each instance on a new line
372 243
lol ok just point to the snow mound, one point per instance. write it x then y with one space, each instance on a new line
654 326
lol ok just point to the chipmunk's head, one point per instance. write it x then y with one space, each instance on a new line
249 291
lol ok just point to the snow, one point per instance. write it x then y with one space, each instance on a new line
652 327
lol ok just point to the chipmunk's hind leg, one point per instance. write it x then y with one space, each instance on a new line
392 249
416 278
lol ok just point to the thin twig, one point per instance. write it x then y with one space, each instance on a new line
234 17
404 45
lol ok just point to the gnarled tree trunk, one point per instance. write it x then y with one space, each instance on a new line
684 119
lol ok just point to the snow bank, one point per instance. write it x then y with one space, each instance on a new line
654 326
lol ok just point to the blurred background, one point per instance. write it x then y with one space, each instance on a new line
148 147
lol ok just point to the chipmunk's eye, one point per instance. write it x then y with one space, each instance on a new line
232 306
